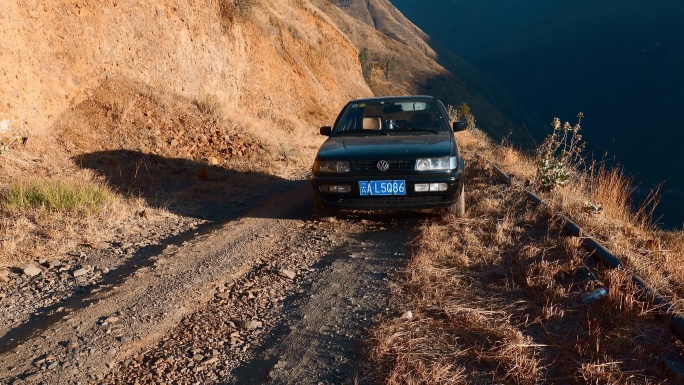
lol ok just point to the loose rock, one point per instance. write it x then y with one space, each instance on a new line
81 272
252 324
31 270
99 245
4 275
288 273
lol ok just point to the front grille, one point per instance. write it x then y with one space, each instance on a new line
366 165
390 200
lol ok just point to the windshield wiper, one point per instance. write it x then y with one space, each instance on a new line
423 130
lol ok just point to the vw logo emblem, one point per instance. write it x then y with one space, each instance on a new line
383 165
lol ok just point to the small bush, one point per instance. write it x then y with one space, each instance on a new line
454 113
467 115
8 138
208 104
55 196
366 65
560 155
389 65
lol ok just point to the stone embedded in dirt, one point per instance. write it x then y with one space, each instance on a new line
4 276
33 376
100 245
224 295
252 324
72 345
31 270
81 272
288 273
111 320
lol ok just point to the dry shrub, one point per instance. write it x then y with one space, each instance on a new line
42 218
411 355
79 197
612 189
208 104
456 337
497 294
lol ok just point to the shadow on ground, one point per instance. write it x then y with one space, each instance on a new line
184 187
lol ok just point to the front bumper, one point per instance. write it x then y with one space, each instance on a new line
411 201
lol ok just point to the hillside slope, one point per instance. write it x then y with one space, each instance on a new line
270 55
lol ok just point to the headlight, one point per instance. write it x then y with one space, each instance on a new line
429 164
332 166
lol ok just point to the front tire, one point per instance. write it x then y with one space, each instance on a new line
458 207
320 212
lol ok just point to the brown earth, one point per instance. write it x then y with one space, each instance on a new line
287 58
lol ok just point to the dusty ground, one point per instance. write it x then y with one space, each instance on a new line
255 292
267 297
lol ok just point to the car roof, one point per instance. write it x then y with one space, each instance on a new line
393 98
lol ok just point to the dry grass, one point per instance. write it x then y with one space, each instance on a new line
43 217
55 196
496 295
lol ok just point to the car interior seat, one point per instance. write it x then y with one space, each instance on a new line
372 123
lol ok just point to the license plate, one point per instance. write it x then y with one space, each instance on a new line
382 187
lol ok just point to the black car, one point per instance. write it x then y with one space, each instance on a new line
389 153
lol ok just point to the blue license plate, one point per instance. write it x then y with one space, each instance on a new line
382 187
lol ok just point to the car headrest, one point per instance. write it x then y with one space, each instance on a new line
372 123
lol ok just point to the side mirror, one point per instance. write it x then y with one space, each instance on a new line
460 126
326 130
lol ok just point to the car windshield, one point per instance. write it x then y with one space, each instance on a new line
400 116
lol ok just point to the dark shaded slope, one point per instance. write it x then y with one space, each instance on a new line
619 62
422 66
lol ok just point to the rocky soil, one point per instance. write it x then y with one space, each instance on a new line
269 297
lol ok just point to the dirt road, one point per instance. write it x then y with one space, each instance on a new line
271 297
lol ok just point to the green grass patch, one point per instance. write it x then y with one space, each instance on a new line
55 196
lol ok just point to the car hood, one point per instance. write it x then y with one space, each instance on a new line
392 146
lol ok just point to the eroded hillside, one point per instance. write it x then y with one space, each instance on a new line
256 58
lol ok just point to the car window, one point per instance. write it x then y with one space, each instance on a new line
403 116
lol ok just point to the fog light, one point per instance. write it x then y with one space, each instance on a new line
438 186
335 188
422 187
